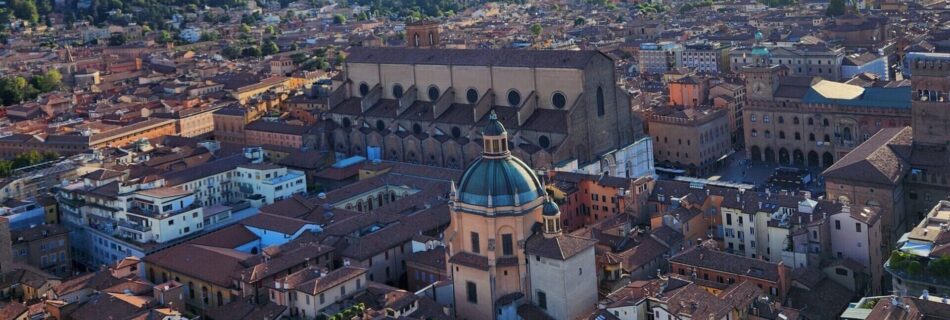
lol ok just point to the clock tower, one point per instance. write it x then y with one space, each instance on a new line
762 77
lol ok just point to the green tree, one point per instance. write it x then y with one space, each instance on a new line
25 9
164 37
16 89
340 58
536 29
231 52
914 267
117 39
269 48
50 156
339 19
49 81
26 159
245 28
835 8
252 51
940 266
209 36
6 168
579 21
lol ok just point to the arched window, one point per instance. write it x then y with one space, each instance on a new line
781 134
346 122
191 290
781 119
416 128
768 134
827 138
397 91
431 39
795 120
600 101
811 137
558 100
456 132
544 142
798 136
811 121
415 39
220 298
434 93
471 95
825 123
380 125
514 98
204 294
754 133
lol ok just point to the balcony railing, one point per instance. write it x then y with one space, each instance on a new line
137 227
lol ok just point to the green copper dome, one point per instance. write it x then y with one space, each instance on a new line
498 182
498 179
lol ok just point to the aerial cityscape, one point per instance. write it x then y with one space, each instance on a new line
474 159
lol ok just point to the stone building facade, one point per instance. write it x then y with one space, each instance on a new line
695 139
424 105
807 121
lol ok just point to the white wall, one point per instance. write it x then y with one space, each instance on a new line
570 286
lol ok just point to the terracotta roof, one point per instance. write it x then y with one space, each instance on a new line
314 284
13 310
243 310
915 309
701 257
882 159
214 265
230 237
473 57
107 307
470 260
434 258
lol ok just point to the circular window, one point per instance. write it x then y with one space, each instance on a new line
346 122
397 91
559 100
433 93
514 98
364 89
544 142
380 125
471 95
456 132
416 128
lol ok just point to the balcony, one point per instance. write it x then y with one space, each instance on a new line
921 273
159 214
136 227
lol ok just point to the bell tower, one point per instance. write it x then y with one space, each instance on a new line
930 85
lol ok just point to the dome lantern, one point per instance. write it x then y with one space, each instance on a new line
551 217
495 138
